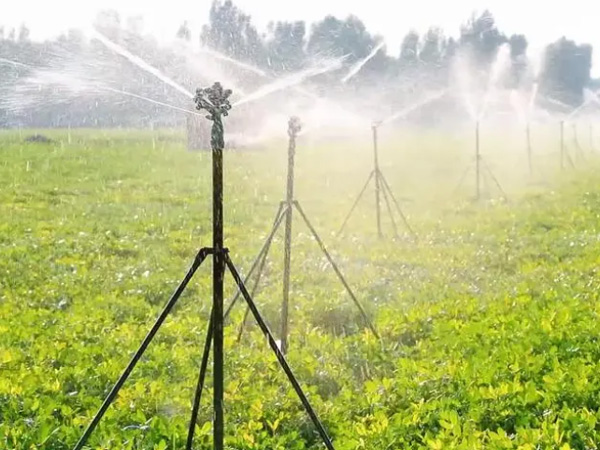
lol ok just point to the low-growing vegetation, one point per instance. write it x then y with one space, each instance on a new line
489 321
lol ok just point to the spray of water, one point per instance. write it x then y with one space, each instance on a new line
140 63
533 98
360 64
553 101
461 72
207 65
415 106
14 63
147 99
243 65
291 80
499 66
537 70
516 101
66 87
589 98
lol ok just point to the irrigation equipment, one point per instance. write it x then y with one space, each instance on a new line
564 155
214 100
576 145
285 213
482 171
529 149
382 188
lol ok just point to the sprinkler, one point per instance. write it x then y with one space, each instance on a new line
382 188
576 145
285 213
482 170
215 101
564 155
529 150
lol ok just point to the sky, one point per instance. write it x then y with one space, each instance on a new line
541 22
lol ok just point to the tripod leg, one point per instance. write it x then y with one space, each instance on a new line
404 219
263 251
200 257
337 270
243 324
462 179
485 182
495 180
280 357
389 209
200 385
567 156
252 293
356 203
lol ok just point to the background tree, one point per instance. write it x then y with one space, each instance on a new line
566 70
518 54
24 33
421 64
431 48
285 45
332 37
184 32
409 50
349 38
481 35
231 31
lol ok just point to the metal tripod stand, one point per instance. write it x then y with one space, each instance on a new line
578 150
285 212
481 170
564 155
215 101
382 187
529 149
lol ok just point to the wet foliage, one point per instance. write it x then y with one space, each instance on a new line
488 321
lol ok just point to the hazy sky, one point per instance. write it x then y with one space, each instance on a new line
541 21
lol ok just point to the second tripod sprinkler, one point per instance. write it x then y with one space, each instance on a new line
382 189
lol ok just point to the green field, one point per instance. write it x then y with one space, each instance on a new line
489 321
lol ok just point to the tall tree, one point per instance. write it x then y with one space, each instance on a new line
335 38
24 33
108 21
184 32
231 31
285 45
409 49
432 46
482 36
518 53
349 38
566 70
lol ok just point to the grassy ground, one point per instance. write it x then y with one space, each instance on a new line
488 320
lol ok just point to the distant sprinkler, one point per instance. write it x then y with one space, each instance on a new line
382 188
529 150
285 215
481 170
215 101
360 64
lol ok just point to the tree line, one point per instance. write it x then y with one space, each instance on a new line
423 60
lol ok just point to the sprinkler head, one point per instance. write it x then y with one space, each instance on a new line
214 99
294 126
